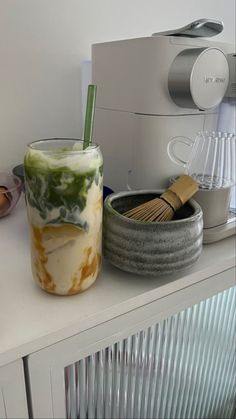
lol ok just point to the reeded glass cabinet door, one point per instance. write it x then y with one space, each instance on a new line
181 367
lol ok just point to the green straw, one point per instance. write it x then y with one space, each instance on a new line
89 116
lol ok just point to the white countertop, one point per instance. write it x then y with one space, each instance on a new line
31 319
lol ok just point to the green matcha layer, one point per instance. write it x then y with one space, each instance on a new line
53 186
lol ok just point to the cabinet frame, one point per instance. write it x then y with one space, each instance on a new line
13 402
46 367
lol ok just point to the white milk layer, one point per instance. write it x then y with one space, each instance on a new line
65 258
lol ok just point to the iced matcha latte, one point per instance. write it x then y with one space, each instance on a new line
64 203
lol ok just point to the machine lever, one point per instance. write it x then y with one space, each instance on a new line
201 28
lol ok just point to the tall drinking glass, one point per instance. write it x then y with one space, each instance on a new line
64 205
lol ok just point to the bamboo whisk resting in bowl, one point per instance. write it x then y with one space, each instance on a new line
164 207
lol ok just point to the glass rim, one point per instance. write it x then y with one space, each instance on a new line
213 133
93 146
16 179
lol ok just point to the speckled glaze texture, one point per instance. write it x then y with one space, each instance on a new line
157 248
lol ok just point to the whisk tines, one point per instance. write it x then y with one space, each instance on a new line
163 208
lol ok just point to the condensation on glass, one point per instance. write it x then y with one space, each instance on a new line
182 367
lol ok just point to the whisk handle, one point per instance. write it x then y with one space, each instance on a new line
180 192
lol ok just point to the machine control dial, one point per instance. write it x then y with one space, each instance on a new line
199 78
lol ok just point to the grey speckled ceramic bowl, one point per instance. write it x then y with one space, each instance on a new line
150 248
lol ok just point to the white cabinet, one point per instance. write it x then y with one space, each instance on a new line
13 402
171 358
147 363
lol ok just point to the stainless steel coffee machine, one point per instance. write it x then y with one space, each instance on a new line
152 90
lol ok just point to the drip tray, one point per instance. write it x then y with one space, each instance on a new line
214 234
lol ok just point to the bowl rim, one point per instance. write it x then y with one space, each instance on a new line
12 176
109 199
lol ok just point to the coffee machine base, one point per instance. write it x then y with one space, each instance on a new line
214 234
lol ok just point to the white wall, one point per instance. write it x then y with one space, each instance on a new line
42 44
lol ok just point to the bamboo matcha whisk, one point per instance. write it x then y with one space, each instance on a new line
163 208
